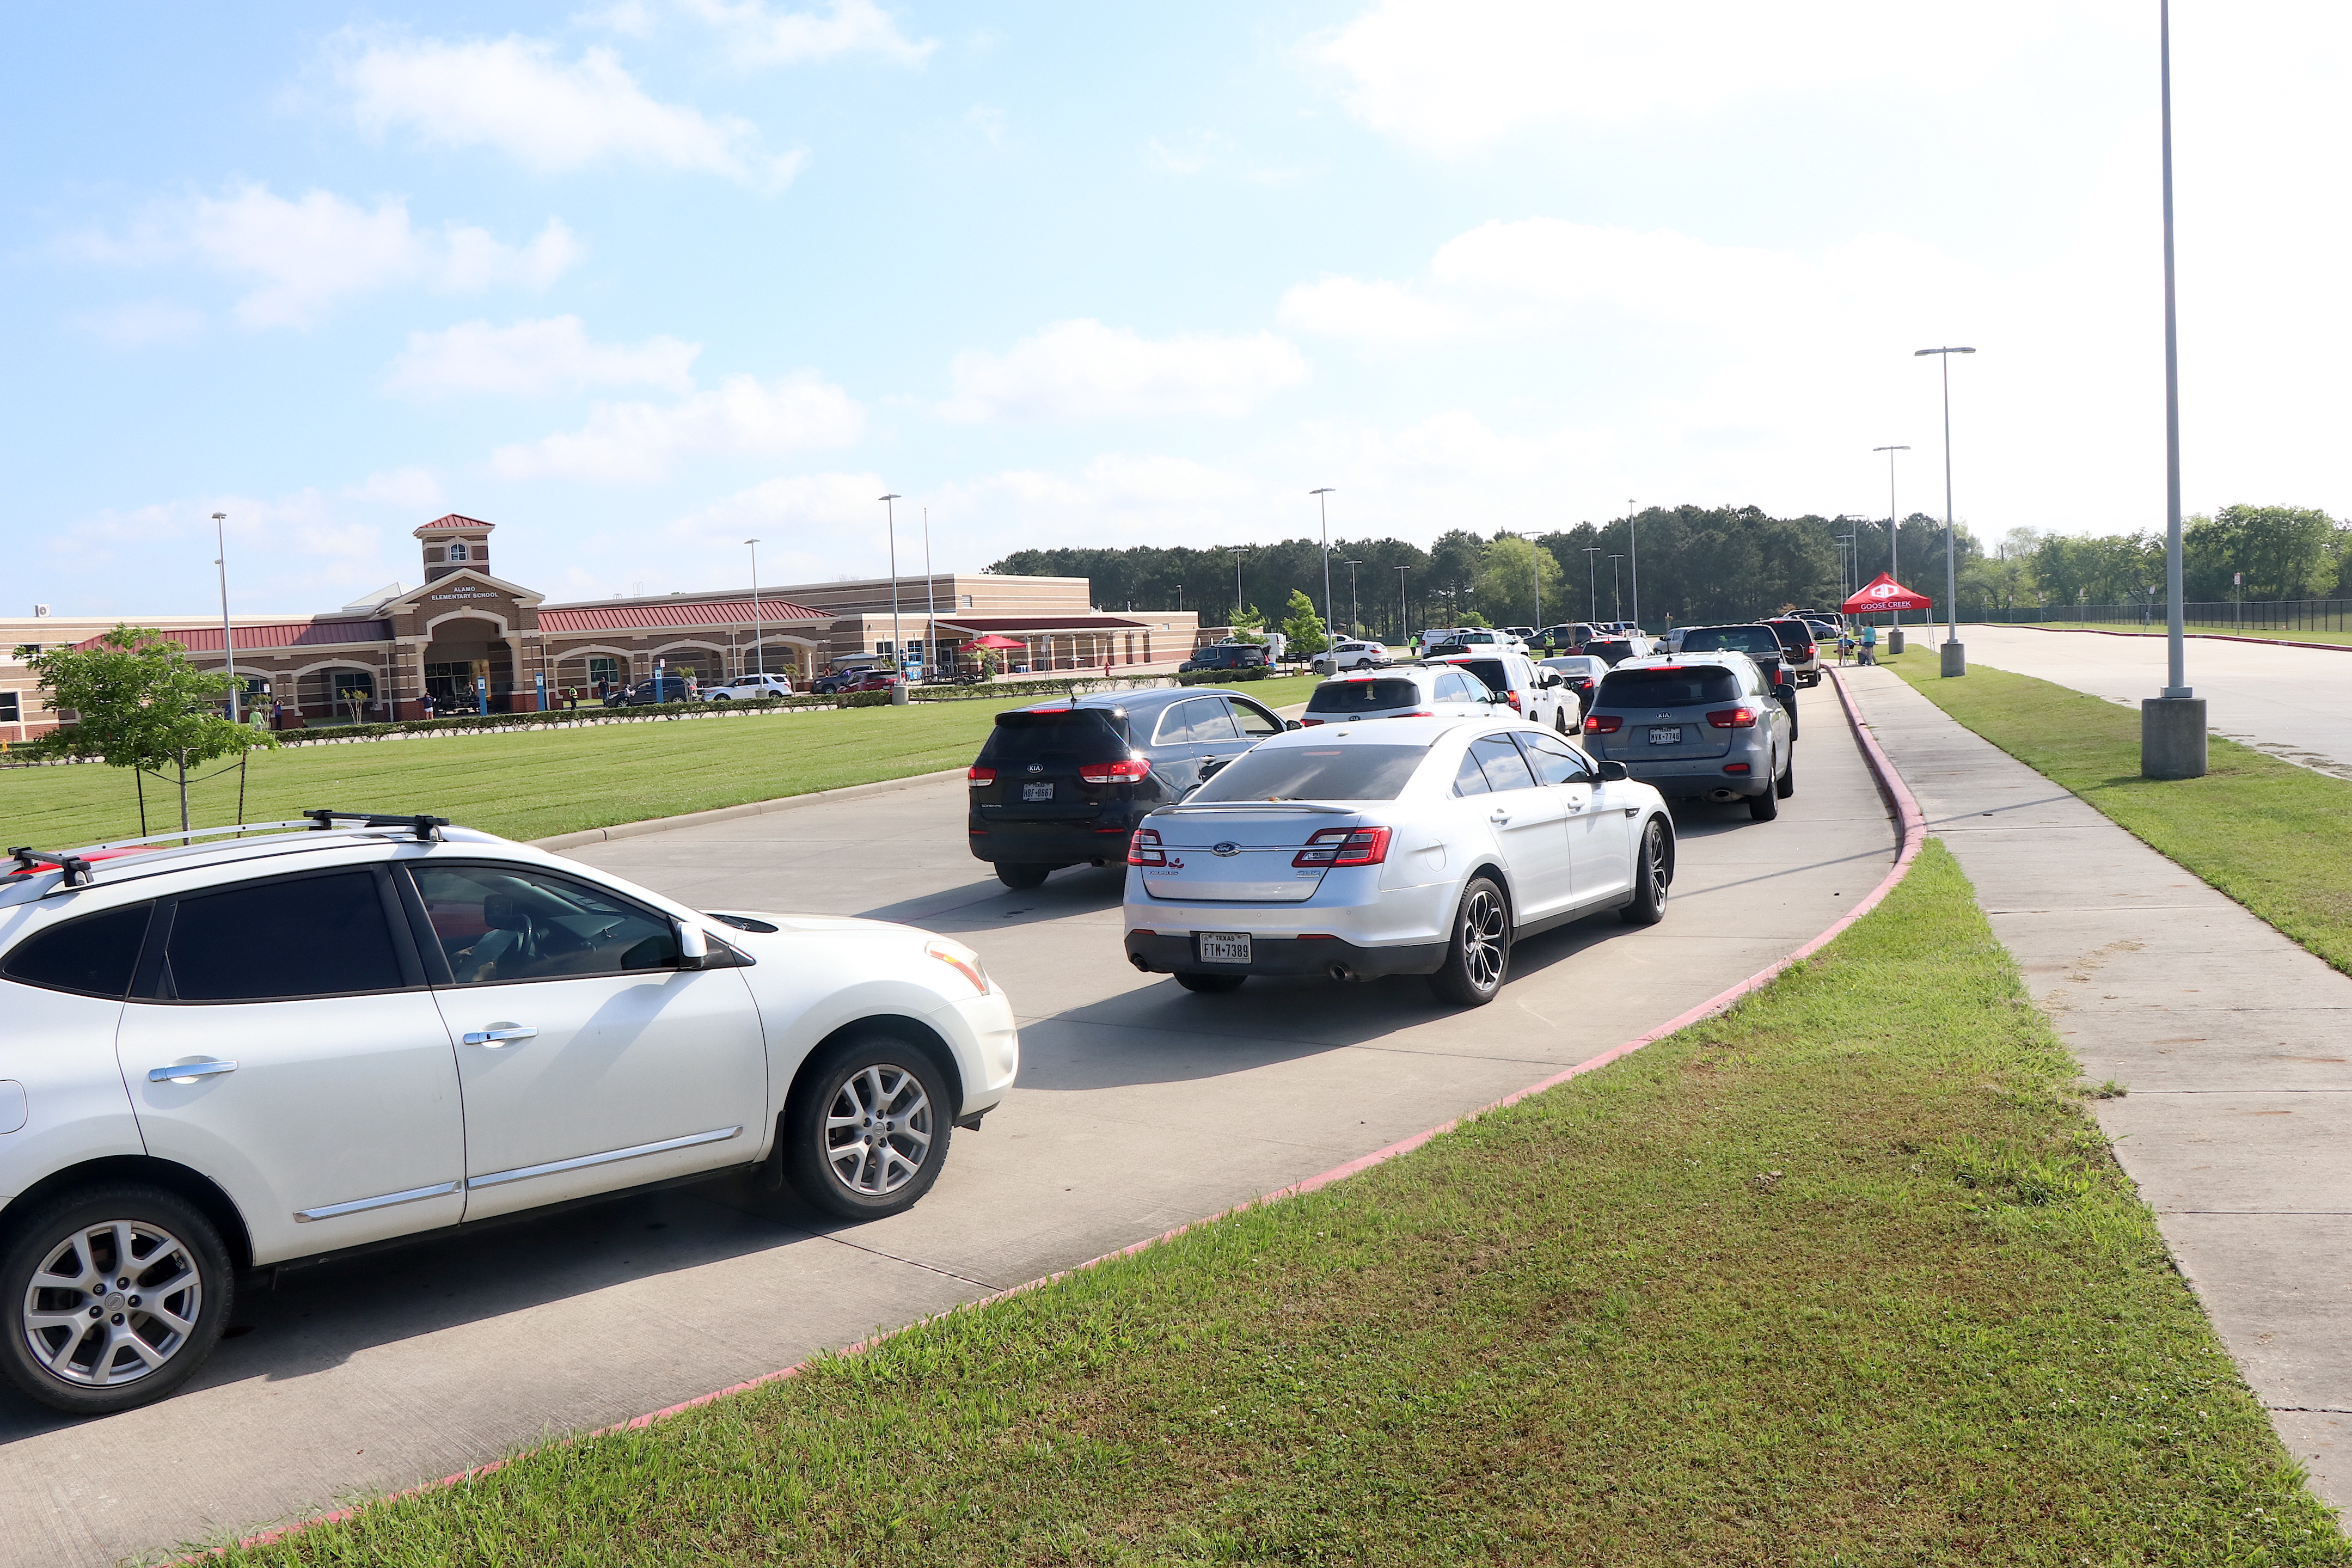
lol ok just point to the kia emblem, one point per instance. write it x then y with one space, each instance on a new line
1227 847
1037 767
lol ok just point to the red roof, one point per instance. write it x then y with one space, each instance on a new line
674 612
286 634
1017 624
454 521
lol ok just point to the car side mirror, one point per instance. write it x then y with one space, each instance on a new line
1785 691
1610 771
1292 724
693 947
1213 764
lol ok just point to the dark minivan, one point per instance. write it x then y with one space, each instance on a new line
1065 784
650 693
1226 656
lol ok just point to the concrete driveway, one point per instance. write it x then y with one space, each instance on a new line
1140 1106
2293 702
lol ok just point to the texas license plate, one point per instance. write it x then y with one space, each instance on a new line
1224 946
1036 792
1662 735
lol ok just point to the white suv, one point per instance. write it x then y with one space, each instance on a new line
247 1053
1349 654
748 688
1406 691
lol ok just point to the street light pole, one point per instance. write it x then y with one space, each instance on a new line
759 625
890 521
1322 508
1592 581
1955 657
1353 613
228 641
930 597
1404 615
2172 727
1633 564
1894 547
1616 588
1238 551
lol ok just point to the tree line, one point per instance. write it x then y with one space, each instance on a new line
2239 553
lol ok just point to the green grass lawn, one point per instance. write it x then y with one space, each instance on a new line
2158 630
1844 1277
535 784
2271 834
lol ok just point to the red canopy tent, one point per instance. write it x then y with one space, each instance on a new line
992 640
1884 592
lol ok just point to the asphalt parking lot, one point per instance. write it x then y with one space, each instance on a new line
1140 1106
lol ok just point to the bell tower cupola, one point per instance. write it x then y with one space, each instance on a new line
452 543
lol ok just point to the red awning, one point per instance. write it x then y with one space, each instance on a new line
1884 592
992 640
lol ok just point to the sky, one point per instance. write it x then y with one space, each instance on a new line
641 281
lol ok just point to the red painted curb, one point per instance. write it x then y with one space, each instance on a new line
1909 819
2209 636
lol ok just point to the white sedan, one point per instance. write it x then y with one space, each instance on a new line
244 1053
1406 846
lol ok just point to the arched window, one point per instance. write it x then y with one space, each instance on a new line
457 551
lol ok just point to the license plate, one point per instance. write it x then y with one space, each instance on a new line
1036 792
1224 946
1665 735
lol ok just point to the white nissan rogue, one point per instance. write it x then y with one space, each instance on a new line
242 1053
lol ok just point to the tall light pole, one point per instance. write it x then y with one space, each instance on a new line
1893 546
1322 508
1238 551
1404 615
1592 581
1616 589
890 521
2172 727
1352 612
1956 661
228 641
1633 564
1845 566
758 624
931 597
1535 564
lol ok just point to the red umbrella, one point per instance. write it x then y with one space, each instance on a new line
992 640
1884 592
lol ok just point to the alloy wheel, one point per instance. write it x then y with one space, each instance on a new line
1483 924
111 1303
1653 863
877 1132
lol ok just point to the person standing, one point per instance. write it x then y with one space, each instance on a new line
1870 645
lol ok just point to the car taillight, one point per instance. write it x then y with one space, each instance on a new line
1512 698
1144 849
1604 723
1733 718
1308 723
1127 770
1420 714
1344 846
978 776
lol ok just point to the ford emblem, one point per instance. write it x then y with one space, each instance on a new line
1227 847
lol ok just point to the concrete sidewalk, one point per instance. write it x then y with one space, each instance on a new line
2232 1041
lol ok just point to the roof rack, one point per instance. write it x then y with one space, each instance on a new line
425 827
77 870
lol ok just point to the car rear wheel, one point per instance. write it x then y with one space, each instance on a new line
1786 784
1478 953
1209 984
1022 874
120 1293
1764 807
1650 878
867 1132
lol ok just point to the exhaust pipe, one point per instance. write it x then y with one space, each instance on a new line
1137 959
1722 794
1341 971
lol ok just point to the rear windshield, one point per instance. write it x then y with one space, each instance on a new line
1610 648
1734 639
1491 671
1791 633
1086 734
1363 696
1315 772
1681 688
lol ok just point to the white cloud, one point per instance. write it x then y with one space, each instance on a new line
293 554
548 114
307 253
1192 155
409 488
1082 369
742 416
140 322
1451 76
535 358
757 33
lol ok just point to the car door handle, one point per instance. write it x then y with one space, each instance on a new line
1498 816
506 1034
188 1072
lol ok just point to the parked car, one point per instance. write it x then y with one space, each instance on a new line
1582 672
1759 643
1228 655
1569 637
1406 691
1800 654
1522 633
1701 727
1351 654
855 677
648 693
1612 649
1465 640
1423 847
1539 696
449 1029
1064 784
748 688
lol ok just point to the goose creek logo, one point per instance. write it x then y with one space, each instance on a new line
1227 847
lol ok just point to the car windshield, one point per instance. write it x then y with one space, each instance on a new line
1731 639
1363 696
1315 772
1681 686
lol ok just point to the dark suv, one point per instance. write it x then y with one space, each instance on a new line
647 693
1226 656
1064 784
